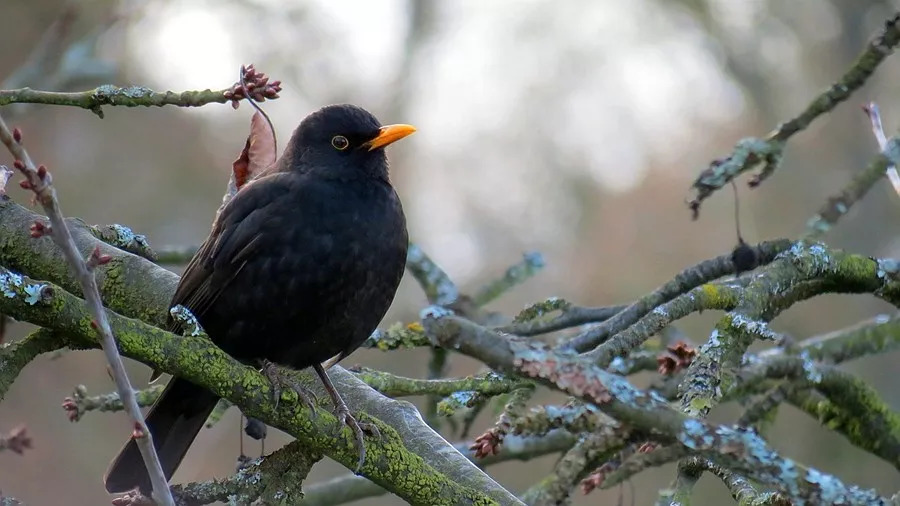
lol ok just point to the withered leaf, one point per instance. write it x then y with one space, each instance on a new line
258 152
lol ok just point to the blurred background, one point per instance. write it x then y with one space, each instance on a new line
570 128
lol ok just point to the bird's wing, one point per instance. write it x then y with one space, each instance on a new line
234 238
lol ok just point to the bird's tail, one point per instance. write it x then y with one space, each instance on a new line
174 421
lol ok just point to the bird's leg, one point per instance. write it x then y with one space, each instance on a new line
279 380
342 412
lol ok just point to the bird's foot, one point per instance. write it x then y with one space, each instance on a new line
360 429
280 381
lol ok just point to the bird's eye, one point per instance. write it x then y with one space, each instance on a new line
339 142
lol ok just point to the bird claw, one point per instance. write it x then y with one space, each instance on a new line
360 429
279 381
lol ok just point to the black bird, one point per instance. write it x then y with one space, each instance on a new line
299 268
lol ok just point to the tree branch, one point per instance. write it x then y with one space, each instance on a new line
396 461
40 182
749 153
739 450
839 204
135 96
683 282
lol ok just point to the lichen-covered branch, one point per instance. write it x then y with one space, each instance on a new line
398 336
398 386
438 287
349 488
141 96
130 96
575 464
80 403
742 491
642 461
125 239
489 442
137 287
752 152
683 282
848 405
710 296
839 204
390 462
798 274
533 321
871 337
531 264
739 450
274 479
574 417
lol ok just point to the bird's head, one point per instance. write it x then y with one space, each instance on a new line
344 140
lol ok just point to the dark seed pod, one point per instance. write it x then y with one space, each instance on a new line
255 429
744 258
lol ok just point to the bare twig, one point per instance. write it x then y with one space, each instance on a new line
38 179
531 264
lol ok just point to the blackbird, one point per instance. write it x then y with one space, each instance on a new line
299 268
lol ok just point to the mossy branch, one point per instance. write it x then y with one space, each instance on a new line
390 463
140 288
739 450
800 273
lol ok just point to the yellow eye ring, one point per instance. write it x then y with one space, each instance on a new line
339 142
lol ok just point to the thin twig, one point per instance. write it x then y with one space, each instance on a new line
141 96
531 264
107 94
840 203
40 182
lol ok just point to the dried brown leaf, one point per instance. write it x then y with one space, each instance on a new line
258 152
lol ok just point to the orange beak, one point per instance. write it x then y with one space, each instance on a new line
389 134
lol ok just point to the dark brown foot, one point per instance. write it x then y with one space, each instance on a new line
279 381
342 412
360 429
